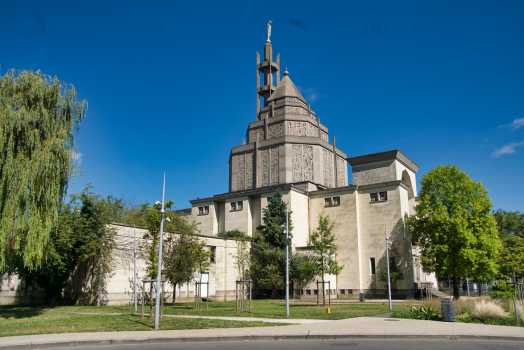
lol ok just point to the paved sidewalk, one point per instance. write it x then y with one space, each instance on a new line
362 327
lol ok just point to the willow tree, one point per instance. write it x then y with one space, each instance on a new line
39 116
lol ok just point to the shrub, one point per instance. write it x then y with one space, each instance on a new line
501 291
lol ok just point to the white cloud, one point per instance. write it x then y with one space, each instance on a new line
517 123
507 149
78 157
310 94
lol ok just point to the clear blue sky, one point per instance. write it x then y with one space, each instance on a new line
171 85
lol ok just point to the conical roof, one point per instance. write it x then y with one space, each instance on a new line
286 88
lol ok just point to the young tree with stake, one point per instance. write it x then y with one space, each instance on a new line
323 242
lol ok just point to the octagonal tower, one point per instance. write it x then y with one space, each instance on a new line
287 143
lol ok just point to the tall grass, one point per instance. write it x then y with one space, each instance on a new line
488 309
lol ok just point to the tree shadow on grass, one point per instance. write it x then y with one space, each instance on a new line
20 312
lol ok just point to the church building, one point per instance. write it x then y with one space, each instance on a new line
289 149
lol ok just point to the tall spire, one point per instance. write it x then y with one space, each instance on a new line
267 68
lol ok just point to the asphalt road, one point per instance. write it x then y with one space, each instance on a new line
360 344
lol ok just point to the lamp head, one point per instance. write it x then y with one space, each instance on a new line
158 203
168 219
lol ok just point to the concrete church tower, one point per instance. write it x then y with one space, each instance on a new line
286 144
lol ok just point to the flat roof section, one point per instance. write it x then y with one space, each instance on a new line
381 156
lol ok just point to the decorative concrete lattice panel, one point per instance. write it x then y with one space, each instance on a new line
279 111
274 166
307 154
312 130
264 157
296 110
297 128
256 135
241 172
324 136
297 163
249 170
328 167
275 130
341 172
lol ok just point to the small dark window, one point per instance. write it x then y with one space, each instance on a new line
372 263
233 205
336 200
374 197
327 202
206 209
383 196
203 210
200 210
269 199
342 291
213 254
239 205
308 291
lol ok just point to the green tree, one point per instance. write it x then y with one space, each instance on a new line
180 263
510 226
39 117
270 245
81 237
323 243
395 273
454 228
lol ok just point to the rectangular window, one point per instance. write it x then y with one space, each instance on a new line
236 206
269 199
336 200
383 196
342 291
372 264
308 291
203 210
206 209
374 197
200 210
327 202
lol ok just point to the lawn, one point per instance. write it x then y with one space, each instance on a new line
27 321
261 308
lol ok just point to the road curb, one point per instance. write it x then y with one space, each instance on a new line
160 340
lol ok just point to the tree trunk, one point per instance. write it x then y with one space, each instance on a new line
479 286
323 292
274 292
456 290
174 293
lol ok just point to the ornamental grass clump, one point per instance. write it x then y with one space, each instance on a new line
485 310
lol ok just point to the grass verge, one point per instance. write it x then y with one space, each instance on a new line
261 308
27 321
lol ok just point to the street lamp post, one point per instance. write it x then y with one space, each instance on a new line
159 266
287 261
134 248
387 258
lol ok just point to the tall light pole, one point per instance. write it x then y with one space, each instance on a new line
387 258
287 261
159 266
134 247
